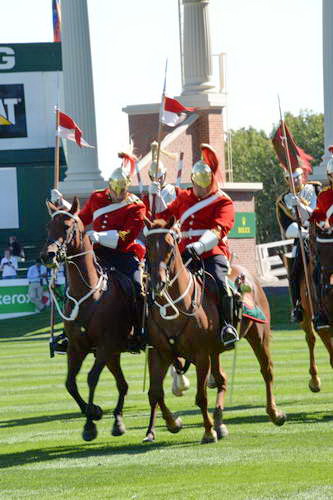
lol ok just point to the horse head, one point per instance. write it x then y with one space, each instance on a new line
65 232
161 245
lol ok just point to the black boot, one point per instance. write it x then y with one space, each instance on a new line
137 341
321 321
297 312
229 334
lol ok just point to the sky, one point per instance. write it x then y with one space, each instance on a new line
273 47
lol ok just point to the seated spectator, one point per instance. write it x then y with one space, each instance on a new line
36 275
8 266
16 248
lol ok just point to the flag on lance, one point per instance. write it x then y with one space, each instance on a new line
173 112
70 130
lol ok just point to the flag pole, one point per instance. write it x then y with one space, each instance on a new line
298 219
180 169
159 136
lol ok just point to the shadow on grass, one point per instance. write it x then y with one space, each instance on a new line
84 450
20 422
26 326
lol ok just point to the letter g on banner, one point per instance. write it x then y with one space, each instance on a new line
7 58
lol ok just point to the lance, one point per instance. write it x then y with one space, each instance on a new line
180 169
298 218
159 136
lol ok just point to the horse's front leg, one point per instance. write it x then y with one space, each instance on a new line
158 367
114 366
314 382
202 365
220 379
258 338
75 359
89 429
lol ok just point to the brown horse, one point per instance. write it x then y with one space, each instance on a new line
183 320
97 318
320 246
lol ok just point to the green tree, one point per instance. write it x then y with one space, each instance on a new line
254 160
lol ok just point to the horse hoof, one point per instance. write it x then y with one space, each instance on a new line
118 429
176 427
280 419
221 431
97 413
210 437
89 432
150 438
315 385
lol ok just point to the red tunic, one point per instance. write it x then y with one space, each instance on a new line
105 216
324 202
218 216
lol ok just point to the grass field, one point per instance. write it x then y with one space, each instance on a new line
43 456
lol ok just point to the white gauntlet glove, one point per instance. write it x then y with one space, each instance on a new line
105 238
94 236
197 248
58 199
155 188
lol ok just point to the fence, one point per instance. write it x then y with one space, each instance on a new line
269 263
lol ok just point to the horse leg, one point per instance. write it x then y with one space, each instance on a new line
314 382
328 343
114 366
220 378
258 338
202 365
74 363
89 429
158 367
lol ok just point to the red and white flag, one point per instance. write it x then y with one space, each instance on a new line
173 112
68 129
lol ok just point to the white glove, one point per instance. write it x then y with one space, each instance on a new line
294 201
155 188
94 236
57 198
197 247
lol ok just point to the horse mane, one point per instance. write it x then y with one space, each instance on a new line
158 224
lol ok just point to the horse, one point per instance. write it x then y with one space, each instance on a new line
319 247
183 321
101 319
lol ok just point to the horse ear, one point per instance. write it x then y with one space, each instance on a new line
147 222
75 206
50 207
171 222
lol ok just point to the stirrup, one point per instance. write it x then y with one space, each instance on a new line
229 335
59 344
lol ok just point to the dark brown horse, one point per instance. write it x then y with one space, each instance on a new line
97 318
184 321
321 247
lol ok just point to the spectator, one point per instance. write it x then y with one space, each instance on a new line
16 248
60 283
8 265
36 275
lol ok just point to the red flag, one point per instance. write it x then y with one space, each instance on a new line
68 129
173 112
298 157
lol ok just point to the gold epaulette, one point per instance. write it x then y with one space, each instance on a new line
132 198
281 204
99 190
325 188
314 183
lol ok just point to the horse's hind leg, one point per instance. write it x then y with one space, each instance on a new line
258 337
89 429
328 342
158 367
220 379
314 382
114 366
202 365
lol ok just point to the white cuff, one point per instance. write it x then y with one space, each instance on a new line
108 238
209 240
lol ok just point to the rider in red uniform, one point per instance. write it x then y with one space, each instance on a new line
206 215
117 218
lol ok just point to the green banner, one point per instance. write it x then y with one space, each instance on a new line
245 225
14 298
21 57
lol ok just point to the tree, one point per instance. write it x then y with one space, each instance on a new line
254 160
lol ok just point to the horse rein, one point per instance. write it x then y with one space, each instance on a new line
62 246
164 293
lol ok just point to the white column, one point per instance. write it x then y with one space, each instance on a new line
320 172
197 58
83 175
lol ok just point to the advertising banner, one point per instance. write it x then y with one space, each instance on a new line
14 299
245 226
12 111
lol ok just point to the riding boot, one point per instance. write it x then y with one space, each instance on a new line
137 341
59 344
229 334
297 312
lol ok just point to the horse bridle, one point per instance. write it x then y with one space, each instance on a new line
164 293
62 245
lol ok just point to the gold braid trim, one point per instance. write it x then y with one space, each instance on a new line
123 234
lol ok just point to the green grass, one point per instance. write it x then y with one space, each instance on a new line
43 456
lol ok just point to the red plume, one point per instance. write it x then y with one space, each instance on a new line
128 160
330 148
209 157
